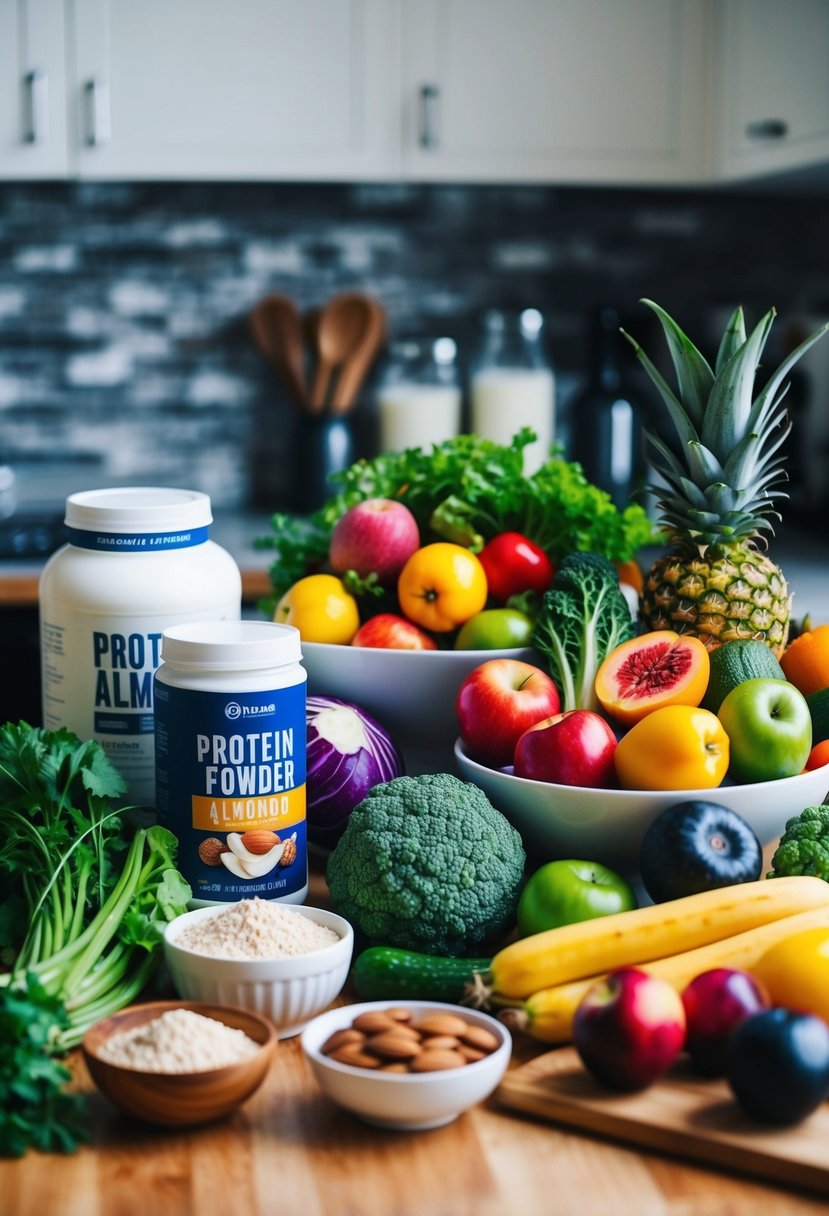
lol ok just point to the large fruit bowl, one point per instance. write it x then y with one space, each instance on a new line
410 692
607 825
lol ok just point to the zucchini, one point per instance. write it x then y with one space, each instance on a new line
386 973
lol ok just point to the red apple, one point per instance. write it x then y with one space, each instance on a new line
497 702
629 1028
389 632
716 1002
571 748
376 536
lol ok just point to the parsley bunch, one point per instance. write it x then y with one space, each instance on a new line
467 490
35 1109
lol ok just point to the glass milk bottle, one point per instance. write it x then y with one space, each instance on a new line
512 384
419 398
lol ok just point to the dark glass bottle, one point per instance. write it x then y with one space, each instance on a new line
606 420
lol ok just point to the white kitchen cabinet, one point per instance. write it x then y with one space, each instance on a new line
773 83
33 142
292 89
571 91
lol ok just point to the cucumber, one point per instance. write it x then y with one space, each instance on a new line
818 703
385 973
734 662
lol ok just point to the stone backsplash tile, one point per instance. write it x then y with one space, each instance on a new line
123 307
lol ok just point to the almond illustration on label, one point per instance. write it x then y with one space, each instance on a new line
259 841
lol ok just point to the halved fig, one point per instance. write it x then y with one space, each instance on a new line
651 671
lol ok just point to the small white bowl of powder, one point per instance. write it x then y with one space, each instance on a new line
286 961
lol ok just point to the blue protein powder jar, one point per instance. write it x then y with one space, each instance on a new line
230 747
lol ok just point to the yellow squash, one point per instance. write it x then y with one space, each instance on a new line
592 947
548 1014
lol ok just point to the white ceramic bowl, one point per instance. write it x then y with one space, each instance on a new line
287 990
608 825
410 692
404 1101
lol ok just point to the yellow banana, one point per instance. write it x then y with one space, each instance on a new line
591 947
548 1014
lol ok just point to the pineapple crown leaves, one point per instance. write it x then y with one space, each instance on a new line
724 474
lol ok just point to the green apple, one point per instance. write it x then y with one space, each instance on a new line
769 730
495 629
564 892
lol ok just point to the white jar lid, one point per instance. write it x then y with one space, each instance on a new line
137 509
230 645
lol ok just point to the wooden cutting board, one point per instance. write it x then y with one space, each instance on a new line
681 1114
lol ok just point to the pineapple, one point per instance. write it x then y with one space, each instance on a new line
722 474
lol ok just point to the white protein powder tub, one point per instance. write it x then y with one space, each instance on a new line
138 560
230 746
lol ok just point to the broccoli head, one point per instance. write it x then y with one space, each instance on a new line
804 846
582 618
427 863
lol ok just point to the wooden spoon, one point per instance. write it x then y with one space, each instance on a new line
341 326
276 325
357 366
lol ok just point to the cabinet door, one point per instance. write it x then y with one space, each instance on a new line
774 82
576 90
248 89
32 89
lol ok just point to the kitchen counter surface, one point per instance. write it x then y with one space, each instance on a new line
803 557
290 1152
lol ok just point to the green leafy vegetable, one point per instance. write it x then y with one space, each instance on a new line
35 1109
466 490
582 618
84 909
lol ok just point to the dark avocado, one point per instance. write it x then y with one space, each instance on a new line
697 846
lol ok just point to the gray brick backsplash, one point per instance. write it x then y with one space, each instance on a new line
124 341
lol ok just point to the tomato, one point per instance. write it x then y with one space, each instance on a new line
495 629
320 608
513 564
677 747
795 971
441 586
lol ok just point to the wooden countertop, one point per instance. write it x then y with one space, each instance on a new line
288 1151
20 590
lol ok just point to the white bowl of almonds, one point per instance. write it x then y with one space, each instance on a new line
286 961
408 1065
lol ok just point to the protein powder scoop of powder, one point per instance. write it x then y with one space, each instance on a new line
256 928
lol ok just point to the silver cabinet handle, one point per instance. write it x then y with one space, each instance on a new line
37 107
767 128
98 116
429 99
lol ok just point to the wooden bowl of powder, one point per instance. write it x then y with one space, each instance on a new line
179 1063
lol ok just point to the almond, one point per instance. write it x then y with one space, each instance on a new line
436 1061
442 1023
259 841
392 1046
